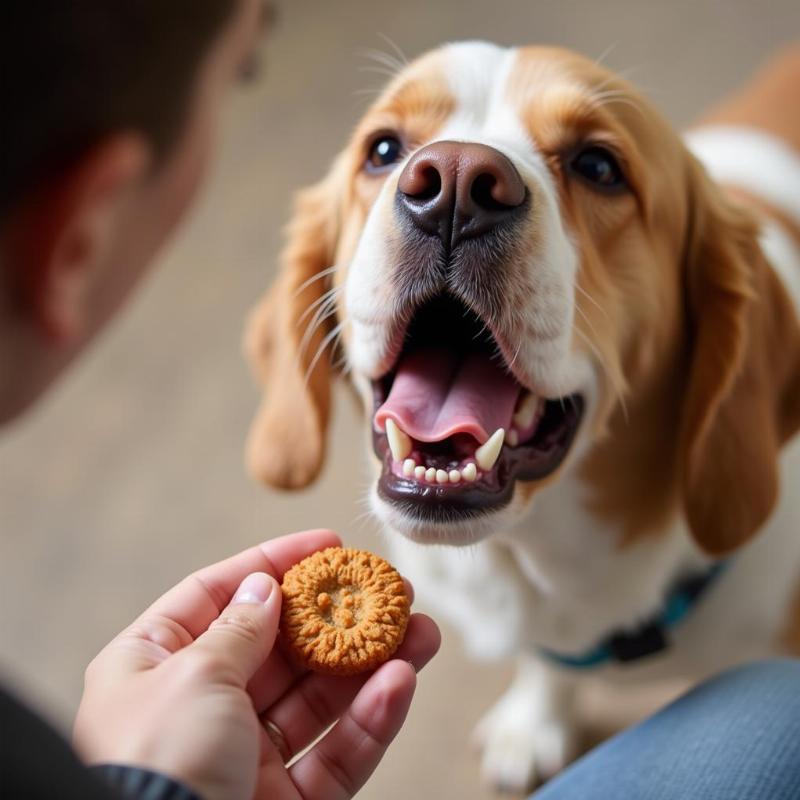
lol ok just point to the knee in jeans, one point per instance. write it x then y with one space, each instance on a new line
772 669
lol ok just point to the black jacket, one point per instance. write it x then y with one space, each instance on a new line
37 764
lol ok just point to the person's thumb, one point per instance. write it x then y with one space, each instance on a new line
240 639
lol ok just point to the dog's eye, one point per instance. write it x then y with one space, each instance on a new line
384 151
597 166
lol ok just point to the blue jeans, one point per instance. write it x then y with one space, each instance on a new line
735 737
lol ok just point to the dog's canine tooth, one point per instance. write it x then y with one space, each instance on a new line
486 455
399 442
470 472
442 476
455 476
527 411
430 474
512 437
419 472
409 465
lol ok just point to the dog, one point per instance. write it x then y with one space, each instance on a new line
575 337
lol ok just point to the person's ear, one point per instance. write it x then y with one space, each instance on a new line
65 228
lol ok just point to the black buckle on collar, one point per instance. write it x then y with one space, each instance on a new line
647 641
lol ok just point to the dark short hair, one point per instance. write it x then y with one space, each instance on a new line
73 71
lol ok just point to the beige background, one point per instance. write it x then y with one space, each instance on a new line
130 475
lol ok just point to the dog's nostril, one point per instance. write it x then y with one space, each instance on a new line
426 186
433 184
483 191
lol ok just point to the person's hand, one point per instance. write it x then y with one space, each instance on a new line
194 689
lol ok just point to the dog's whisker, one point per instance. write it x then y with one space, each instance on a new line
591 300
387 72
600 60
395 63
324 298
586 319
516 353
624 74
617 97
331 338
324 313
361 520
342 364
314 278
606 82
621 95
401 56
381 57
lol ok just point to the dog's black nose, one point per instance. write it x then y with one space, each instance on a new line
458 190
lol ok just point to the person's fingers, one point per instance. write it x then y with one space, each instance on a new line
338 766
142 645
240 639
198 600
273 780
274 678
317 701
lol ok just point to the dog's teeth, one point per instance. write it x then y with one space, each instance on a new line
430 474
455 476
442 476
409 465
512 437
524 416
399 443
486 455
419 473
470 472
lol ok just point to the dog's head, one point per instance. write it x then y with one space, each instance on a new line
516 262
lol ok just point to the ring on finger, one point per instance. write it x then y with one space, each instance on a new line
277 738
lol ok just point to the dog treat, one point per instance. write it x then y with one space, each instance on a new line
344 611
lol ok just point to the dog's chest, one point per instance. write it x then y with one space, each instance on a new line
479 590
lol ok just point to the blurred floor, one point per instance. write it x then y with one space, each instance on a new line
130 475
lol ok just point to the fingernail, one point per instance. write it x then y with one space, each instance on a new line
255 588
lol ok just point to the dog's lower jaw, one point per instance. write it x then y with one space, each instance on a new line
530 734
463 532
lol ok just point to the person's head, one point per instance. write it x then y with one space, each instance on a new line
109 109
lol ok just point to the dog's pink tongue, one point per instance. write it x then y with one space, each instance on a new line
436 395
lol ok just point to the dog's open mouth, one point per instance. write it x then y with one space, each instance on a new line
453 427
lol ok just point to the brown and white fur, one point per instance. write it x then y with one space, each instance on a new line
671 307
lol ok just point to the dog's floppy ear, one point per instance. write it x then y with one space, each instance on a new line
287 348
743 391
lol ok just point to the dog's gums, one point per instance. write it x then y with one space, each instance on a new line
452 426
441 484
